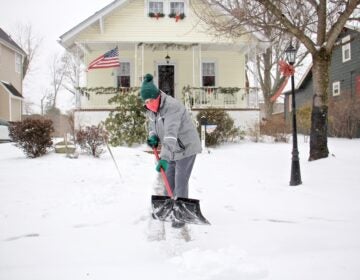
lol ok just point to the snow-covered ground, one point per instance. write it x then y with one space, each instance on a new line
75 219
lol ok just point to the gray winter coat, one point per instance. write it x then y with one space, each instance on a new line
175 129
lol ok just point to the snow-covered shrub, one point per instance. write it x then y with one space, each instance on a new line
344 116
33 136
225 129
277 128
92 139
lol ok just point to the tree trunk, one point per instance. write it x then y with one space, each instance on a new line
319 114
269 108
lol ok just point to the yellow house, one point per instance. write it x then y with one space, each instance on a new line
11 59
167 39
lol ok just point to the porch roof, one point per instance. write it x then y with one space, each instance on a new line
11 89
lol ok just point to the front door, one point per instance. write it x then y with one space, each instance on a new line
167 79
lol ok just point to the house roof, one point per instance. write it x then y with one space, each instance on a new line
67 39
90 20
8 41
11 89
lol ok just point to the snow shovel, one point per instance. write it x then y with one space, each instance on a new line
180 209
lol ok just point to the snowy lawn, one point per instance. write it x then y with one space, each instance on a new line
74 219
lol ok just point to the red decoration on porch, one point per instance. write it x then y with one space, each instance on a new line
157 15
177 17
287 70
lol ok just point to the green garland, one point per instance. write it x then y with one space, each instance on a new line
168 46
154 15
85 91
173 15
224 90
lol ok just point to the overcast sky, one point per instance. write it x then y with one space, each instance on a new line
49 20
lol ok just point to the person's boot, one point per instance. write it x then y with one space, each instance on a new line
176 224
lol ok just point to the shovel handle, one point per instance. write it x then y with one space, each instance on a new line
162 171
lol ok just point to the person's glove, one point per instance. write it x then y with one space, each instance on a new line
162 163
153 141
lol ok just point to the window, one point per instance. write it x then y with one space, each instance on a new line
156 7
336 88
177 8
17 63
208 74
346 49
123 77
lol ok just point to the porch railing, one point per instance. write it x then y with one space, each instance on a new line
224 98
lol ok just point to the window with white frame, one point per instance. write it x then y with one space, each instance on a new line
123 76
177 8
17 63
208 74
346 49
156 7
336 88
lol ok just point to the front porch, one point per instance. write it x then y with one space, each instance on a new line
193 98
221 98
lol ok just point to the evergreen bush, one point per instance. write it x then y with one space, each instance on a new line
92 139
126 125
225 128
33 136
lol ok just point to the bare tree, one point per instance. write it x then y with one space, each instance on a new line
58 69
317 24
29 42
73 71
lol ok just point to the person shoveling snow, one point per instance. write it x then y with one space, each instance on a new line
170 125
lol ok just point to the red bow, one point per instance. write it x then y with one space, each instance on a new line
287 70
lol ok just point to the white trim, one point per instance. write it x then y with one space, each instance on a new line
142 62
193 66
136 82
13 48
101 24
336 86
200 66
346 47
10 110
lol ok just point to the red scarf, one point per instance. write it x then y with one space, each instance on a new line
153 104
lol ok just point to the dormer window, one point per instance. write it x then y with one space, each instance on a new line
156 7
177 8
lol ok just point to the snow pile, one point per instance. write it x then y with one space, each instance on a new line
64 218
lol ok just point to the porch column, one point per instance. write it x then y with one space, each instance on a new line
200 65
136 66
193 66
142 62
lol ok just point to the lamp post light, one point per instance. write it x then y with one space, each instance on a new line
295 163
167 58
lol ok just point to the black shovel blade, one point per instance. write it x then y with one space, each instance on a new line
181 209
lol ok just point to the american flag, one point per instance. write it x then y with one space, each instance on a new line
108 60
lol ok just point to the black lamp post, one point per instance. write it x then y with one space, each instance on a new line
295 163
